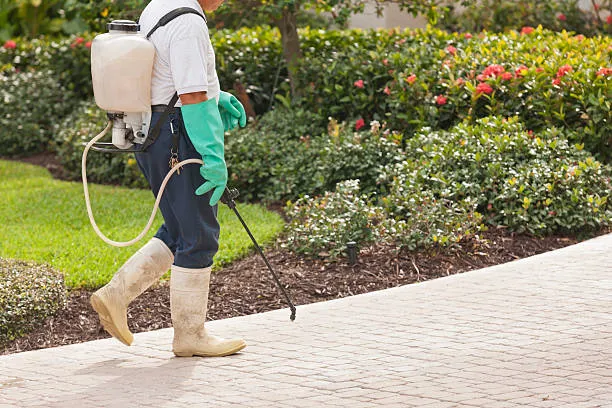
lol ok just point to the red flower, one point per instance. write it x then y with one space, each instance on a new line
520 71
467 36
10 45
562 17
596 6
527 30
441 100
604 72
411 79
79 40
580 37
609 19
385 61
553 213
539 69
564 70
88 44
460 81
359 123
484 88
506 76
493 70
530 133
556 82
451 50
387 90
358 83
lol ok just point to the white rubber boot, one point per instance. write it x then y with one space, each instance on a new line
188 306
143 269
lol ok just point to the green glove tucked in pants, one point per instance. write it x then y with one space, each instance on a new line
205 130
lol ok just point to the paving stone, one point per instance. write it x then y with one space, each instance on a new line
534 332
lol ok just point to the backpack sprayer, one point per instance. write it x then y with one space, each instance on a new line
121 69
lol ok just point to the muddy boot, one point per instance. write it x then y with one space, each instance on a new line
143 269
188 305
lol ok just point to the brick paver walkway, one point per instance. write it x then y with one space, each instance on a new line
531 333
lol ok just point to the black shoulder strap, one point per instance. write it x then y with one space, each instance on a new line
154 132
172 15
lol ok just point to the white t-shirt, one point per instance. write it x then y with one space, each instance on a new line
184 56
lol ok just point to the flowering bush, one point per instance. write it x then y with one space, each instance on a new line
322 226
531 182
68 59
498 16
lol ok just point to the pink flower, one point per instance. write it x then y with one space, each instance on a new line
358 83
411 79
484 88
506 76
539 69
88 44
359 123
79 40
604 72
387 90
451 50
10 45
385 62
564 70
561 17
527 30
467 36
460 82
556 82
596 6
441 100
580 37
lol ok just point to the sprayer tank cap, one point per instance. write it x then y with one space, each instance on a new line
123 25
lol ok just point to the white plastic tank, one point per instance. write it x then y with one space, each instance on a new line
121 68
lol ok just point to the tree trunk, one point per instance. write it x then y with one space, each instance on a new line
290 41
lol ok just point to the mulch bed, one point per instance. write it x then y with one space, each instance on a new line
246 286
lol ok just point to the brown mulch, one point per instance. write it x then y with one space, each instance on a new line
246 286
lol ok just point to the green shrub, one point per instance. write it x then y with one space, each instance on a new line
76 130
322 226
285 157
68 59
29 293
31 103
538 184
558 15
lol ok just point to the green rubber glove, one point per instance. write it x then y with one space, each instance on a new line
205 130
231 110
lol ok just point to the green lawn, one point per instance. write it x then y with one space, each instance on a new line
45 220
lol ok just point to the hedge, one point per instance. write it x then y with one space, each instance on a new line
408 78
453 184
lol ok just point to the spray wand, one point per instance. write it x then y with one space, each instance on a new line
228 199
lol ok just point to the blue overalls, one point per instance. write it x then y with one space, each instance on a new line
190 227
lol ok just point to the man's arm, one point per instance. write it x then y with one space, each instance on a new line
193 97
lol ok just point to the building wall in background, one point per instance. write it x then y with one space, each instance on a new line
393 17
